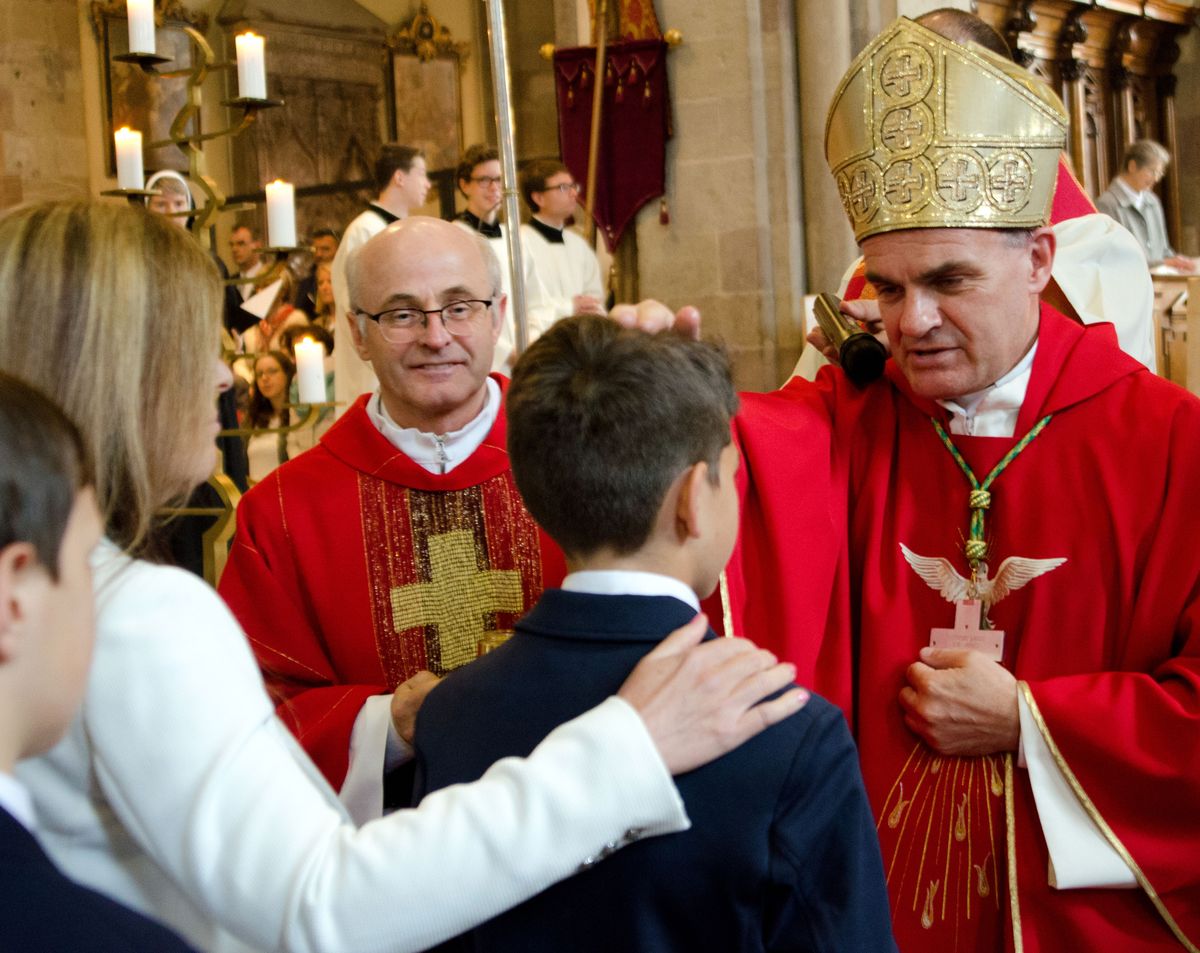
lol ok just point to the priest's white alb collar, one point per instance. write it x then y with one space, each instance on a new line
437 453
629 582
993 411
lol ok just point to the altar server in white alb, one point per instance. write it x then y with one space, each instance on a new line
403 183
481 183
567 265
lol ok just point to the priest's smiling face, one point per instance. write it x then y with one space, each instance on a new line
436 381
960 305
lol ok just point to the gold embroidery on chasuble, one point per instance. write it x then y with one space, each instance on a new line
943 833
445 568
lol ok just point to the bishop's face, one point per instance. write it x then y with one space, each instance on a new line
960 306
434 382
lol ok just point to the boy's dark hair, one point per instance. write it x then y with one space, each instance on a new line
394 158
475 155
601 421
326 233
43 465
534 177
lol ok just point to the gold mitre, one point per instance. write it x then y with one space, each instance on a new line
925 133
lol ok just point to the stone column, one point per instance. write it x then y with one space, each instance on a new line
43 133
824 52
733 246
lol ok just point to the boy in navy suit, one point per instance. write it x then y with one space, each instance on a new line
49 525
620 445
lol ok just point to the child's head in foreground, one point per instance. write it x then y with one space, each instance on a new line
620 445
49 525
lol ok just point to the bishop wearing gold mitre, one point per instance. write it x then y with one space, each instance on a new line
987 557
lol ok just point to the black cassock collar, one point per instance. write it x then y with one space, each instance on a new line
486 229
548 232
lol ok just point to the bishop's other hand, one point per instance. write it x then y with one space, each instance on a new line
654 316
960 702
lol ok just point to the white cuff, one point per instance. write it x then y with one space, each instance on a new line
1080 856
375 748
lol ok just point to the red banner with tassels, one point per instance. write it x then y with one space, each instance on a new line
634 127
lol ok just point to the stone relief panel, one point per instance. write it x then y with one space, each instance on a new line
326 136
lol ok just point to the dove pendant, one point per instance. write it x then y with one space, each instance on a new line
974 596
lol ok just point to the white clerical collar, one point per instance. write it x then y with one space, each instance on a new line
14 798
629 582
1136 199
437 453
993 411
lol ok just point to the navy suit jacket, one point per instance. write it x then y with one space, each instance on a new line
41 911
782 854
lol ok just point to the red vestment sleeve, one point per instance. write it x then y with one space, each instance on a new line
781 577
260 586
1130 739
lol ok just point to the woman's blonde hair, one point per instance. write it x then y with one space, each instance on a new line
115 313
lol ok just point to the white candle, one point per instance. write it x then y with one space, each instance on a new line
129 158
281 214
141 25
310 370
252 69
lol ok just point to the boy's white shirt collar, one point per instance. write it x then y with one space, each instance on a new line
629 582
15 798
993 411
437 453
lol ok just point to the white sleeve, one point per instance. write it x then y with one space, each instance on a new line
206 780
375 748
539 306
1079 854
1101 269
593 283
351 374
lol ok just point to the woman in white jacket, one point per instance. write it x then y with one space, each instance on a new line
176 790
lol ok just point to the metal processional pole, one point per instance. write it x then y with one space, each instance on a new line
508 165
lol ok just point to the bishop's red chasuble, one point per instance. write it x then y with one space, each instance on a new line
354 568
1106 646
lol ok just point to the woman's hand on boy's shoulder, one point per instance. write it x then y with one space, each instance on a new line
700 700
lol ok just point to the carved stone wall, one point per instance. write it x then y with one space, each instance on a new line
734 245
43 142
328 132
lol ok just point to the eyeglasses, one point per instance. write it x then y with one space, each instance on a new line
563 187
402 325
486 180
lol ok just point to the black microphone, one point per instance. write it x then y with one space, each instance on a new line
861 355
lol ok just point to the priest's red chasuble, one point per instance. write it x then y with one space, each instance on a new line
1106 646
353 569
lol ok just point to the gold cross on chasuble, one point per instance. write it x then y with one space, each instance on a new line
457 597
